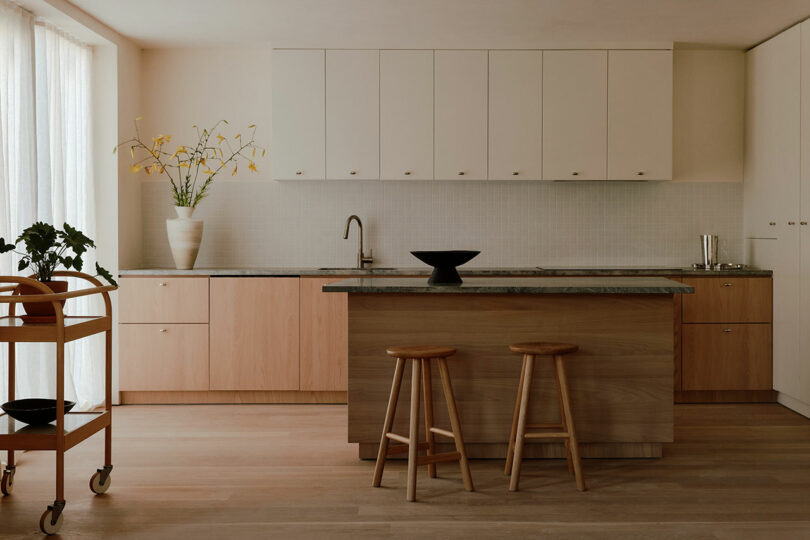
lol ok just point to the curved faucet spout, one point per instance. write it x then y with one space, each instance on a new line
362 260
349 223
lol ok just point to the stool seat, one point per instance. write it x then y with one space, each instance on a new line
543 348
420 351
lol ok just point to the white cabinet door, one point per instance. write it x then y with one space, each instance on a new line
298 115
639 115
352 114
515 115
772 145
574 115
461 115
406 115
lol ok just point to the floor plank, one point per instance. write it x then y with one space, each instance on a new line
285 471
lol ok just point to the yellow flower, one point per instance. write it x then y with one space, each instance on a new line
220 138
147 171
132 151
238 136
251 126
263 151
135 168
208 171
234 170
252 167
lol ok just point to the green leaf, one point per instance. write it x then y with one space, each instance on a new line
77 264
103 272
22 265
5 247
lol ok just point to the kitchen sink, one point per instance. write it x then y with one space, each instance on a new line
355 268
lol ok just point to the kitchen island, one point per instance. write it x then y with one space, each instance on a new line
621 379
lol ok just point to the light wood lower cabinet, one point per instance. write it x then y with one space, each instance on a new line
254 333
324 336
163 356
163 299
726 357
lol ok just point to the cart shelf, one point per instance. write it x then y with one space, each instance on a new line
16 435
13 329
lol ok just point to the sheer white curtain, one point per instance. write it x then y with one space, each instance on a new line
45 78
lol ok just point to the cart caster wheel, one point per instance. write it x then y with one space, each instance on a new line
7 482
95 483
46 524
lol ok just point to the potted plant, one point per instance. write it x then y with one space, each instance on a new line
46 249
191 171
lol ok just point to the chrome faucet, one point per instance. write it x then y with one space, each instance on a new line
362 260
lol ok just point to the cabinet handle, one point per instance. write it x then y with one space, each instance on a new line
640 173
162 284
802 223
727 330
461 173
407 173
515 173
575 173
163 330
771 223
791 223
299 173
727 284
352 172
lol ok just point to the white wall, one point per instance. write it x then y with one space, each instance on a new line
261 222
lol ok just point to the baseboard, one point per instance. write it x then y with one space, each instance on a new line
794 404
725 396
537 450
219 396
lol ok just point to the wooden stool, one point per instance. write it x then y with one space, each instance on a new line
565 429
421 357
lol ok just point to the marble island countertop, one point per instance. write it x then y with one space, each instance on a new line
516 285
532 271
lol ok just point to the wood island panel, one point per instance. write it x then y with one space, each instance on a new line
621 379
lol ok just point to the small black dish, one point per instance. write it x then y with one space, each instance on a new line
34 411
444 264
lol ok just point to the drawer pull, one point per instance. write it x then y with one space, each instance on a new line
727 330
162 284
727 284
163 330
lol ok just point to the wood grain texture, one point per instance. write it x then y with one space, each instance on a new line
621 380
726 396
214 472
324 363
254 333
240 397
728 300
163 299
163 356
727 357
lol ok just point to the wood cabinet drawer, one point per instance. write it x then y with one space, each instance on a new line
728 300
324 336
163 300
163 356
726 357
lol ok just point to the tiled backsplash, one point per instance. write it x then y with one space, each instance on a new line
511 223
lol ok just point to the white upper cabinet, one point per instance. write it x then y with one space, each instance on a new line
639 115
406 115
461 115
352 114
515 115
575 115
772 135
298 115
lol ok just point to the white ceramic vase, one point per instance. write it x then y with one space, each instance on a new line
185 235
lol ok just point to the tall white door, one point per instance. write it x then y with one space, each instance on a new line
515 115
574 115
352 114
297 145
406 115
461 115
639 115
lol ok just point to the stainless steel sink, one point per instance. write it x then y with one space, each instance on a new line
355 268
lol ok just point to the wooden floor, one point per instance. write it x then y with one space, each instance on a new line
284 471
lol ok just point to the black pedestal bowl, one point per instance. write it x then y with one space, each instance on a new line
34 411
444 264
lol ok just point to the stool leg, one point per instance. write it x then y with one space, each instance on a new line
389 422
455 424
413 436
520 437
564 421
428 384
510 451
572 436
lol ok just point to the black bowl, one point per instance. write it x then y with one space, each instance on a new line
444 264
34 411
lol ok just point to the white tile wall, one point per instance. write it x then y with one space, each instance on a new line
511 223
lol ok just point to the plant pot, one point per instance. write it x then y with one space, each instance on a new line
42 310
185 236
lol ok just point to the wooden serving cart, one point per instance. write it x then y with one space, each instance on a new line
70 428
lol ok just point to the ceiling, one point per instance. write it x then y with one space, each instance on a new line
737 24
